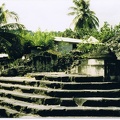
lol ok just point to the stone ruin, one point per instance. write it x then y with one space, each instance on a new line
102 63
36 61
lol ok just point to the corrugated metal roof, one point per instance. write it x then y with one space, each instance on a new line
70 40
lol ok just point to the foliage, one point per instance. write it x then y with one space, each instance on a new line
68 60
87 47
85 33
64 61
69 33
103 34
10 43
43 39
106 32
114 44
9 72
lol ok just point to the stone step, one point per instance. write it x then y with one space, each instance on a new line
59 85
23 106
30 116
55 110
79 85
54 95
6 112
56 76
91 102
46 100
20 80
74 78
9 113
62 92
41 75
35 98
84 93
97 102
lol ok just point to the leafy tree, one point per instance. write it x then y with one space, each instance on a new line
69 33
87 47
43 39
106 32
10 43
84 17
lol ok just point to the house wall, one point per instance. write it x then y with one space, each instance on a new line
64 47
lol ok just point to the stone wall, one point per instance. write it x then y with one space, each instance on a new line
42 63
108 68
93 67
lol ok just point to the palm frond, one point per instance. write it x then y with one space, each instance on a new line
12 15
6 14
72 13
73 8
4 41
12 44
12 26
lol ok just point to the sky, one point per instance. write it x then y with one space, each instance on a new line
52 15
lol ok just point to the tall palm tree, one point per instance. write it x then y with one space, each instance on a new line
10 42
84 17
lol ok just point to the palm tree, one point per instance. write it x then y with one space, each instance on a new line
5 16
10 42
84 17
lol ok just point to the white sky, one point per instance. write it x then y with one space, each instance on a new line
52 14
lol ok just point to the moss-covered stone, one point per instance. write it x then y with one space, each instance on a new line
102 52
9 72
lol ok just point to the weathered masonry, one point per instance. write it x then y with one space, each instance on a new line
105 65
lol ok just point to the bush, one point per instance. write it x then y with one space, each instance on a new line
9 72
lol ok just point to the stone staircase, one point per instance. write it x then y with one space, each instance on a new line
58 95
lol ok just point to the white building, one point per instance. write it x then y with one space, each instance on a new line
64 44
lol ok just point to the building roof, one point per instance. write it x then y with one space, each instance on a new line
69 40
91 39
